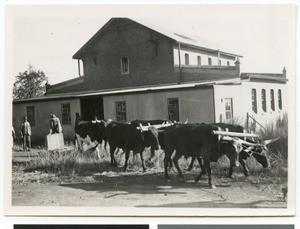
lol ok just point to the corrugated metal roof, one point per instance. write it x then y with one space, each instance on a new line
128 90
195 42
264 76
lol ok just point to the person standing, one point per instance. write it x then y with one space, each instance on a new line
26 134
77 119
55 126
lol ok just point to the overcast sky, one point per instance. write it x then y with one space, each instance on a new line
47 36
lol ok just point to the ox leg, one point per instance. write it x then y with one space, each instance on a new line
113 161
152 153
127 152
191 164
175 161
243 163
208 169
142 159
167 159
203 170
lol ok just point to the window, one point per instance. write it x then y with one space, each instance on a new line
220 62
263 100
272 100
279 99
254 101
30 115
66 113
124 66
173 109
186 59
228 63
121 111
209 61
199 60
228 110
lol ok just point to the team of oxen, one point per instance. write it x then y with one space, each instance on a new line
204 142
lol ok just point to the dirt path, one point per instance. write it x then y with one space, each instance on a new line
136 189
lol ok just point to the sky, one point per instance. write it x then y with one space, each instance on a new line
46 36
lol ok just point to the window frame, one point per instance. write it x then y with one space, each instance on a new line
66 118
121 114
272 99
199 60
123 66
264 100
254 100
173 111
186 59
279 97
209 61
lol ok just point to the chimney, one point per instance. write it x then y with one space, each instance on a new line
284 72
237 64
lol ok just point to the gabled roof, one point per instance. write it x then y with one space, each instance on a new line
194 42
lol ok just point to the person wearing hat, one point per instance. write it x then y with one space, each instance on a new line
26 134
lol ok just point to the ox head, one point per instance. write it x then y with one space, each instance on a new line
233 151
149 135
260 152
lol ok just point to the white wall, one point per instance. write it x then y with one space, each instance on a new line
43 109
204 58
242 101
196 105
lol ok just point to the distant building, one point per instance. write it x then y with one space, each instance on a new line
135 71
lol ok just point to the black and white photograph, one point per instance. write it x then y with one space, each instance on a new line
150 110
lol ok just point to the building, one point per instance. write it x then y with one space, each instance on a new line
130 70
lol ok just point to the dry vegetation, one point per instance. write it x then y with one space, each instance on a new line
76 163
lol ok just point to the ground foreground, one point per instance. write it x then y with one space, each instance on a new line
138 189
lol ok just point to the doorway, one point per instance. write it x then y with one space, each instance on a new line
91 108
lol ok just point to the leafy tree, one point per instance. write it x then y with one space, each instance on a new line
30 84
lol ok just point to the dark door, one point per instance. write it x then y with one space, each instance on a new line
92 108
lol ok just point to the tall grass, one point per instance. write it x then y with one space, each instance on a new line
74 162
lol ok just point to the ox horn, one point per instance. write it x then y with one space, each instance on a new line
186 121
269 141
149 124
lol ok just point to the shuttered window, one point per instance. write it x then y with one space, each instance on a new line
272 100
66 113
30 112
186 59
173 109
263 100
124 66
199 60
209 61
279 99
254 100
121 111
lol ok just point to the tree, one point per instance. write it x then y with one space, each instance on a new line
30 84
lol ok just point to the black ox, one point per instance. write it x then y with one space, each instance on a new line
130 137
197 140
95 130
259 152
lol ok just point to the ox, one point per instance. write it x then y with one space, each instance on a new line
130 137
197 140
90 129
258 152
160 132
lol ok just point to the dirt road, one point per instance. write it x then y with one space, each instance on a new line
149 189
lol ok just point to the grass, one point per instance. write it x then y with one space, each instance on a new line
75 163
